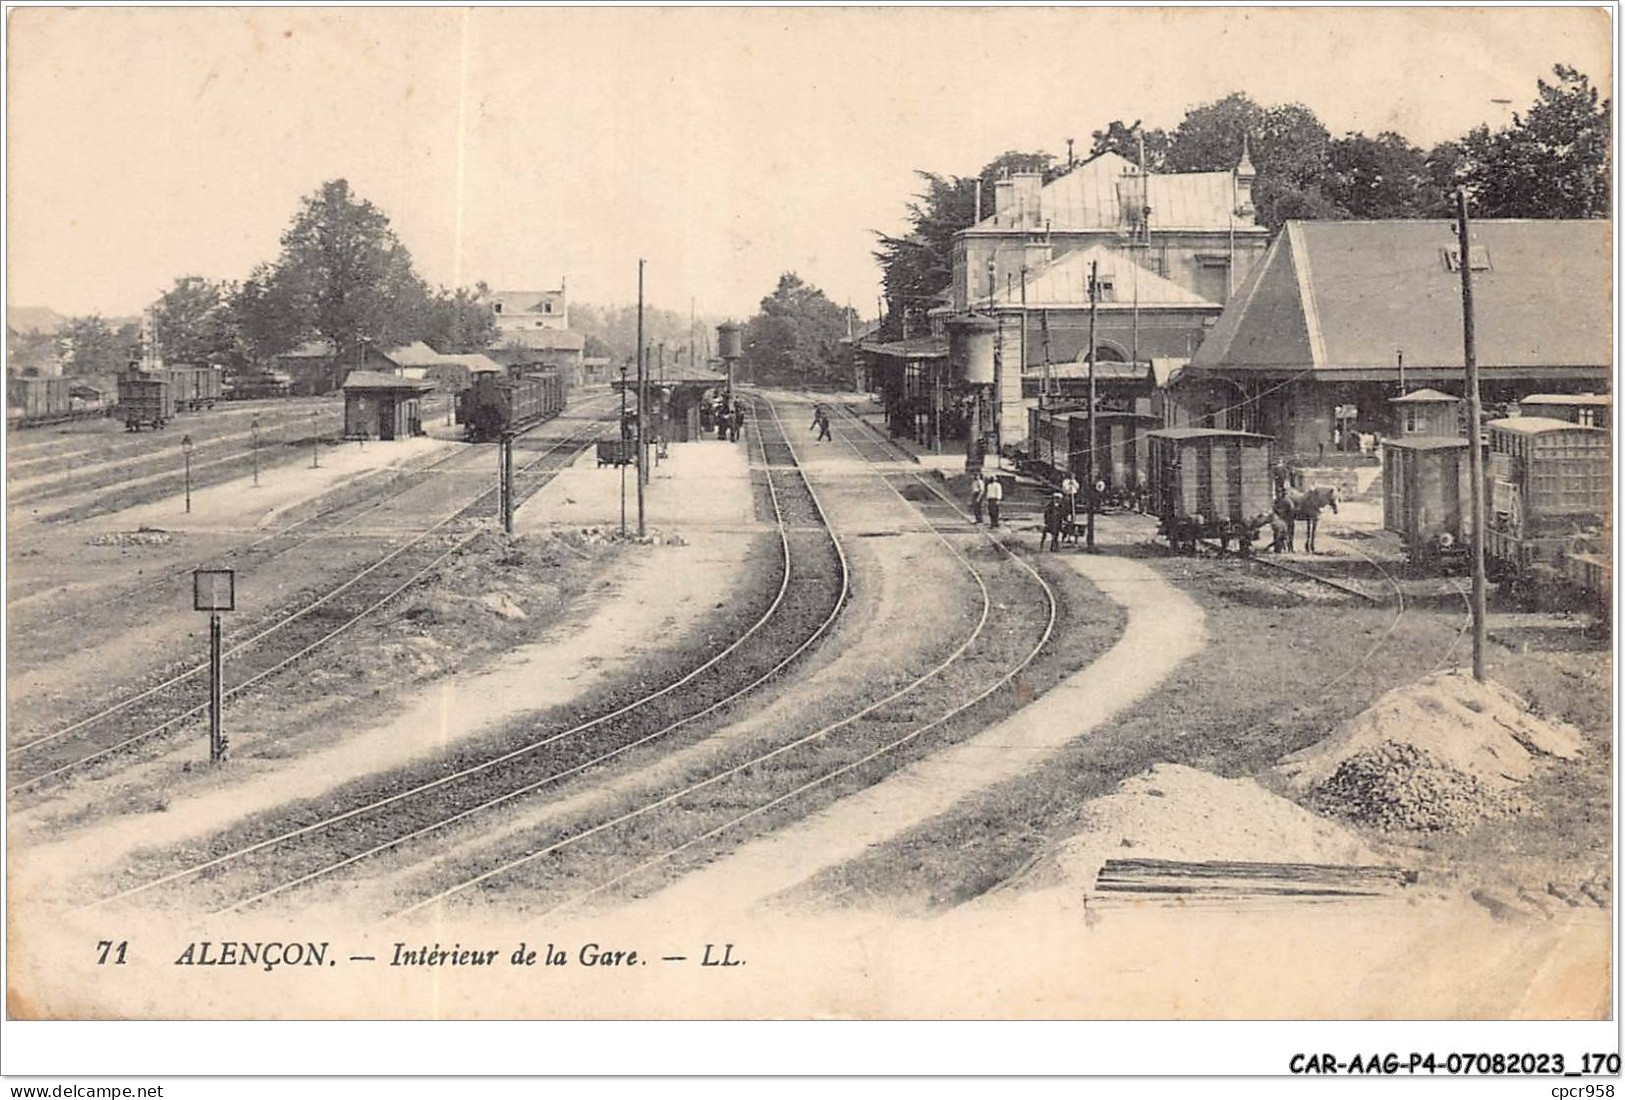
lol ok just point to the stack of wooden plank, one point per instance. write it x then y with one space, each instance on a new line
1214 880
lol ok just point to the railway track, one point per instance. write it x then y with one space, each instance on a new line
855 747
278 640
1402 605
274 859
274 544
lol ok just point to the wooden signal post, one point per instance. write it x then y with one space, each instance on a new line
214 591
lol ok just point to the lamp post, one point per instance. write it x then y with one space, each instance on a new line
315 441
186 454
254 432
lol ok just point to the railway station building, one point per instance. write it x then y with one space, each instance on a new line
1196 229
1341 317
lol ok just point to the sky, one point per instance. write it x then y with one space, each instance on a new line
725 146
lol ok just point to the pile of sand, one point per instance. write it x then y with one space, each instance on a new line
1177 813
1442 753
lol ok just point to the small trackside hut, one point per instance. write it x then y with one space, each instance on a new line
383 406
1205 483
1426 483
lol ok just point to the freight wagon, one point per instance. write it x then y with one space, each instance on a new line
494 404
1206 483
1594 410
194 388
256 384
1059 445
145 400
1549 486
31 401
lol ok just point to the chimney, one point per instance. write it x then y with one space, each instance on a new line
1003 199
1027 186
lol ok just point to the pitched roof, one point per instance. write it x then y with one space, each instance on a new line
1538 425
1064 281
525 301
1424 397
1342 295
1567 400
474 361
415 354
1091 196
378 380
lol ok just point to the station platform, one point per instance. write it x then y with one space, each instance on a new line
700 485
239 504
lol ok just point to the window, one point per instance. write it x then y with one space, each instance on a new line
496 307
1106 289
547 307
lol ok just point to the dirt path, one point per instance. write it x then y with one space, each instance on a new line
1164 628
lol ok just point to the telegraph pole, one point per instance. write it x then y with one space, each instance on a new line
505 481
642 406
622 453
1475 446
1094 295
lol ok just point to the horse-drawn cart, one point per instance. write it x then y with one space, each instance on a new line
1206 483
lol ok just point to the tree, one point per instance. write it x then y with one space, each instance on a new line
1552 162
460 321
1381 177
917 266
345 276
1126 142
795 335
266 316
1289 149
89 345
196 324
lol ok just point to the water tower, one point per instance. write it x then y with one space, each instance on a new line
728 347
972 339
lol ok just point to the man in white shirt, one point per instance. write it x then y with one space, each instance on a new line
994 495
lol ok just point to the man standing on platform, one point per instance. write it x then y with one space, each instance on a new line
977 490
1054 520
1069 491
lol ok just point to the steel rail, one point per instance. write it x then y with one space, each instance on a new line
817 735
766 616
